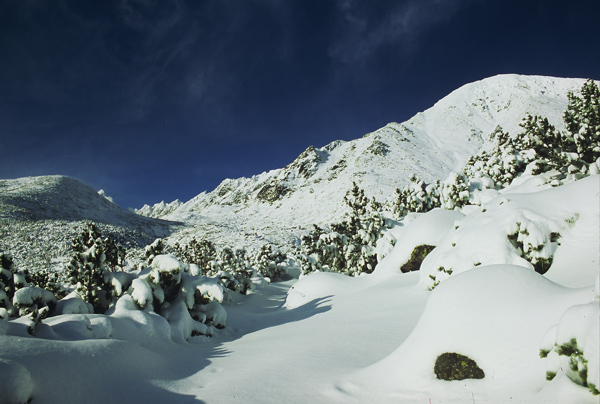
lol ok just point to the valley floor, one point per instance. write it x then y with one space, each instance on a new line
267 354
306 341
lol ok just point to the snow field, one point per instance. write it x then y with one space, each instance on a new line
329 338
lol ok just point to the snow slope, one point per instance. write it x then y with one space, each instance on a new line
40 216
276 206
62 198
327 338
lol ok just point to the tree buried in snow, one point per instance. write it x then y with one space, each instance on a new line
190 303
571 347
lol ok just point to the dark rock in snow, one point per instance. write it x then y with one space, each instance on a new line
454 366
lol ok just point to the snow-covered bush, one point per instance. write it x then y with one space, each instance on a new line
156 248
53 281
200 252
19 298
191 304
310 256
537 247
416 197
542 147
7 287
234 270
582 119
349 247
419 197
232 266
572 346
11 280
93 258
269 262
35 303
500 161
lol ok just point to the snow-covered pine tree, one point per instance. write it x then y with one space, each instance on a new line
7 287
541 147
582 120
349 247
52 281
541 137
234 270
190 303
35 303
156 248
200 252
500 161
416 196
18 298
454 192
268 261
11 280
310 256
93 257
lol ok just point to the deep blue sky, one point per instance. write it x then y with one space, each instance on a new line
156 100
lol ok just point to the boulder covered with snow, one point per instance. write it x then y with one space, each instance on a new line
426 229
16 384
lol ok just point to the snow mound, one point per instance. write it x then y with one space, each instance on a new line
556 231
16 385
573 351
426 229
497 316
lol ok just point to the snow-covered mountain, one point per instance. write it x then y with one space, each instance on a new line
63 198
40 216
513 330
277 205
280 205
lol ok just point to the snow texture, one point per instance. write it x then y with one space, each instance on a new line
329 338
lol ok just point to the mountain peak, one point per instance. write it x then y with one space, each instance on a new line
432 143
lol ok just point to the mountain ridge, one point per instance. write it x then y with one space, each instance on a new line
432 143
280 205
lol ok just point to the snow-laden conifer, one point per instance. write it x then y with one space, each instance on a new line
94 257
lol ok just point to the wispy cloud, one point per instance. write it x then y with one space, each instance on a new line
399 24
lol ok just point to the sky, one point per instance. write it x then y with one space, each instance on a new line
154 100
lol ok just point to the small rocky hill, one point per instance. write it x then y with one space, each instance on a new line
39 217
